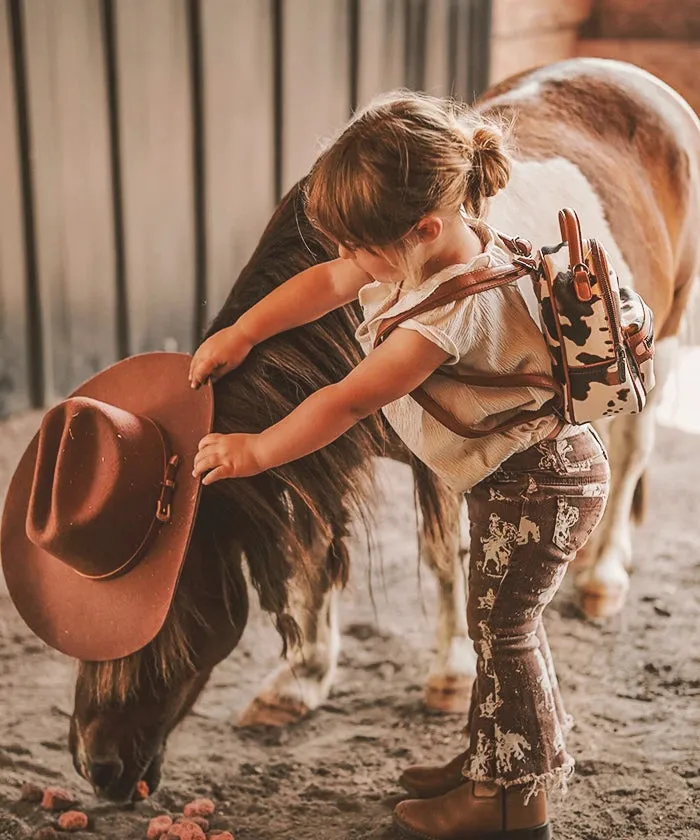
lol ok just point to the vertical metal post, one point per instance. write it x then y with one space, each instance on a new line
199 163
109 36
354 13
35 342
278 90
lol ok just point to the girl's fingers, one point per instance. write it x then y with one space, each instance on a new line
201 366
198 374
208 368
208 440
218 473
205 462
207 454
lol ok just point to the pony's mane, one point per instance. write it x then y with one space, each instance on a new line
274 517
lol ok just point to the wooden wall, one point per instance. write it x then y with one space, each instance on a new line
527 33
647 19
144 143
661 36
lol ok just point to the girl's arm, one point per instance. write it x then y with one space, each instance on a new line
303 298
401 363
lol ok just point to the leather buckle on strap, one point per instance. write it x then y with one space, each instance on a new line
526 262
582 282
167 488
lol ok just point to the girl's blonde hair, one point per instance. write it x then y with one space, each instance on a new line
402 157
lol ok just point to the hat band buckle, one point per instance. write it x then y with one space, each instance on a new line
163 505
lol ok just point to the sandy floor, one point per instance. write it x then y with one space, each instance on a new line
633 685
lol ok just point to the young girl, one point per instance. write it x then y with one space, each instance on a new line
401 192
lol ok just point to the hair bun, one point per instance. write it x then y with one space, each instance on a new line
490 163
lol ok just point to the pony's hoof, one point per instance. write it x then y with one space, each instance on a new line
449 694
278 712
601 590
601 603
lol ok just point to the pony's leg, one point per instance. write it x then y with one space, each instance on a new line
453 670
303 681
603 580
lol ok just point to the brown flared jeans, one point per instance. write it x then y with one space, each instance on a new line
528 520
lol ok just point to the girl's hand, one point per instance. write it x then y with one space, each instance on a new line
227 456
219 354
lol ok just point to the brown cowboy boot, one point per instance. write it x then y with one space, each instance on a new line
475 811
424 781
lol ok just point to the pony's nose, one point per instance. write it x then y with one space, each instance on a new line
105 771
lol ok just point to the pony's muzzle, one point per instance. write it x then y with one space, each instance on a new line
105 772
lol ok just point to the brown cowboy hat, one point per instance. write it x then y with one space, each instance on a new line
100 510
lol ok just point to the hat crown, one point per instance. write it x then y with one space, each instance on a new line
96 485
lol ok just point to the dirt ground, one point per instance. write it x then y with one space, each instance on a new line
632 683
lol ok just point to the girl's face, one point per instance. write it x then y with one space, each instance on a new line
379 265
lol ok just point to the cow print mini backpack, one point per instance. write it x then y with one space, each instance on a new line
600 336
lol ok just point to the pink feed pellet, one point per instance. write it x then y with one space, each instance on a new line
73 821
158 826
199 808
57 799
186 830
141 791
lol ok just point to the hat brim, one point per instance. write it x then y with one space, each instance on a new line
99 620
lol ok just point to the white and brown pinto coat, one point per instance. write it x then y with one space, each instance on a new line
623 149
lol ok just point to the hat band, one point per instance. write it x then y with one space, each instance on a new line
162 516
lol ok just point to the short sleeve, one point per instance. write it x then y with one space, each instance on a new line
448 326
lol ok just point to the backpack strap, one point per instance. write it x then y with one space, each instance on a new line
458 288
421 396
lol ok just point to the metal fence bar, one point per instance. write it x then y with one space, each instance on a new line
14 363
278 90
122 304
354 12
199 173
452 23
35 341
